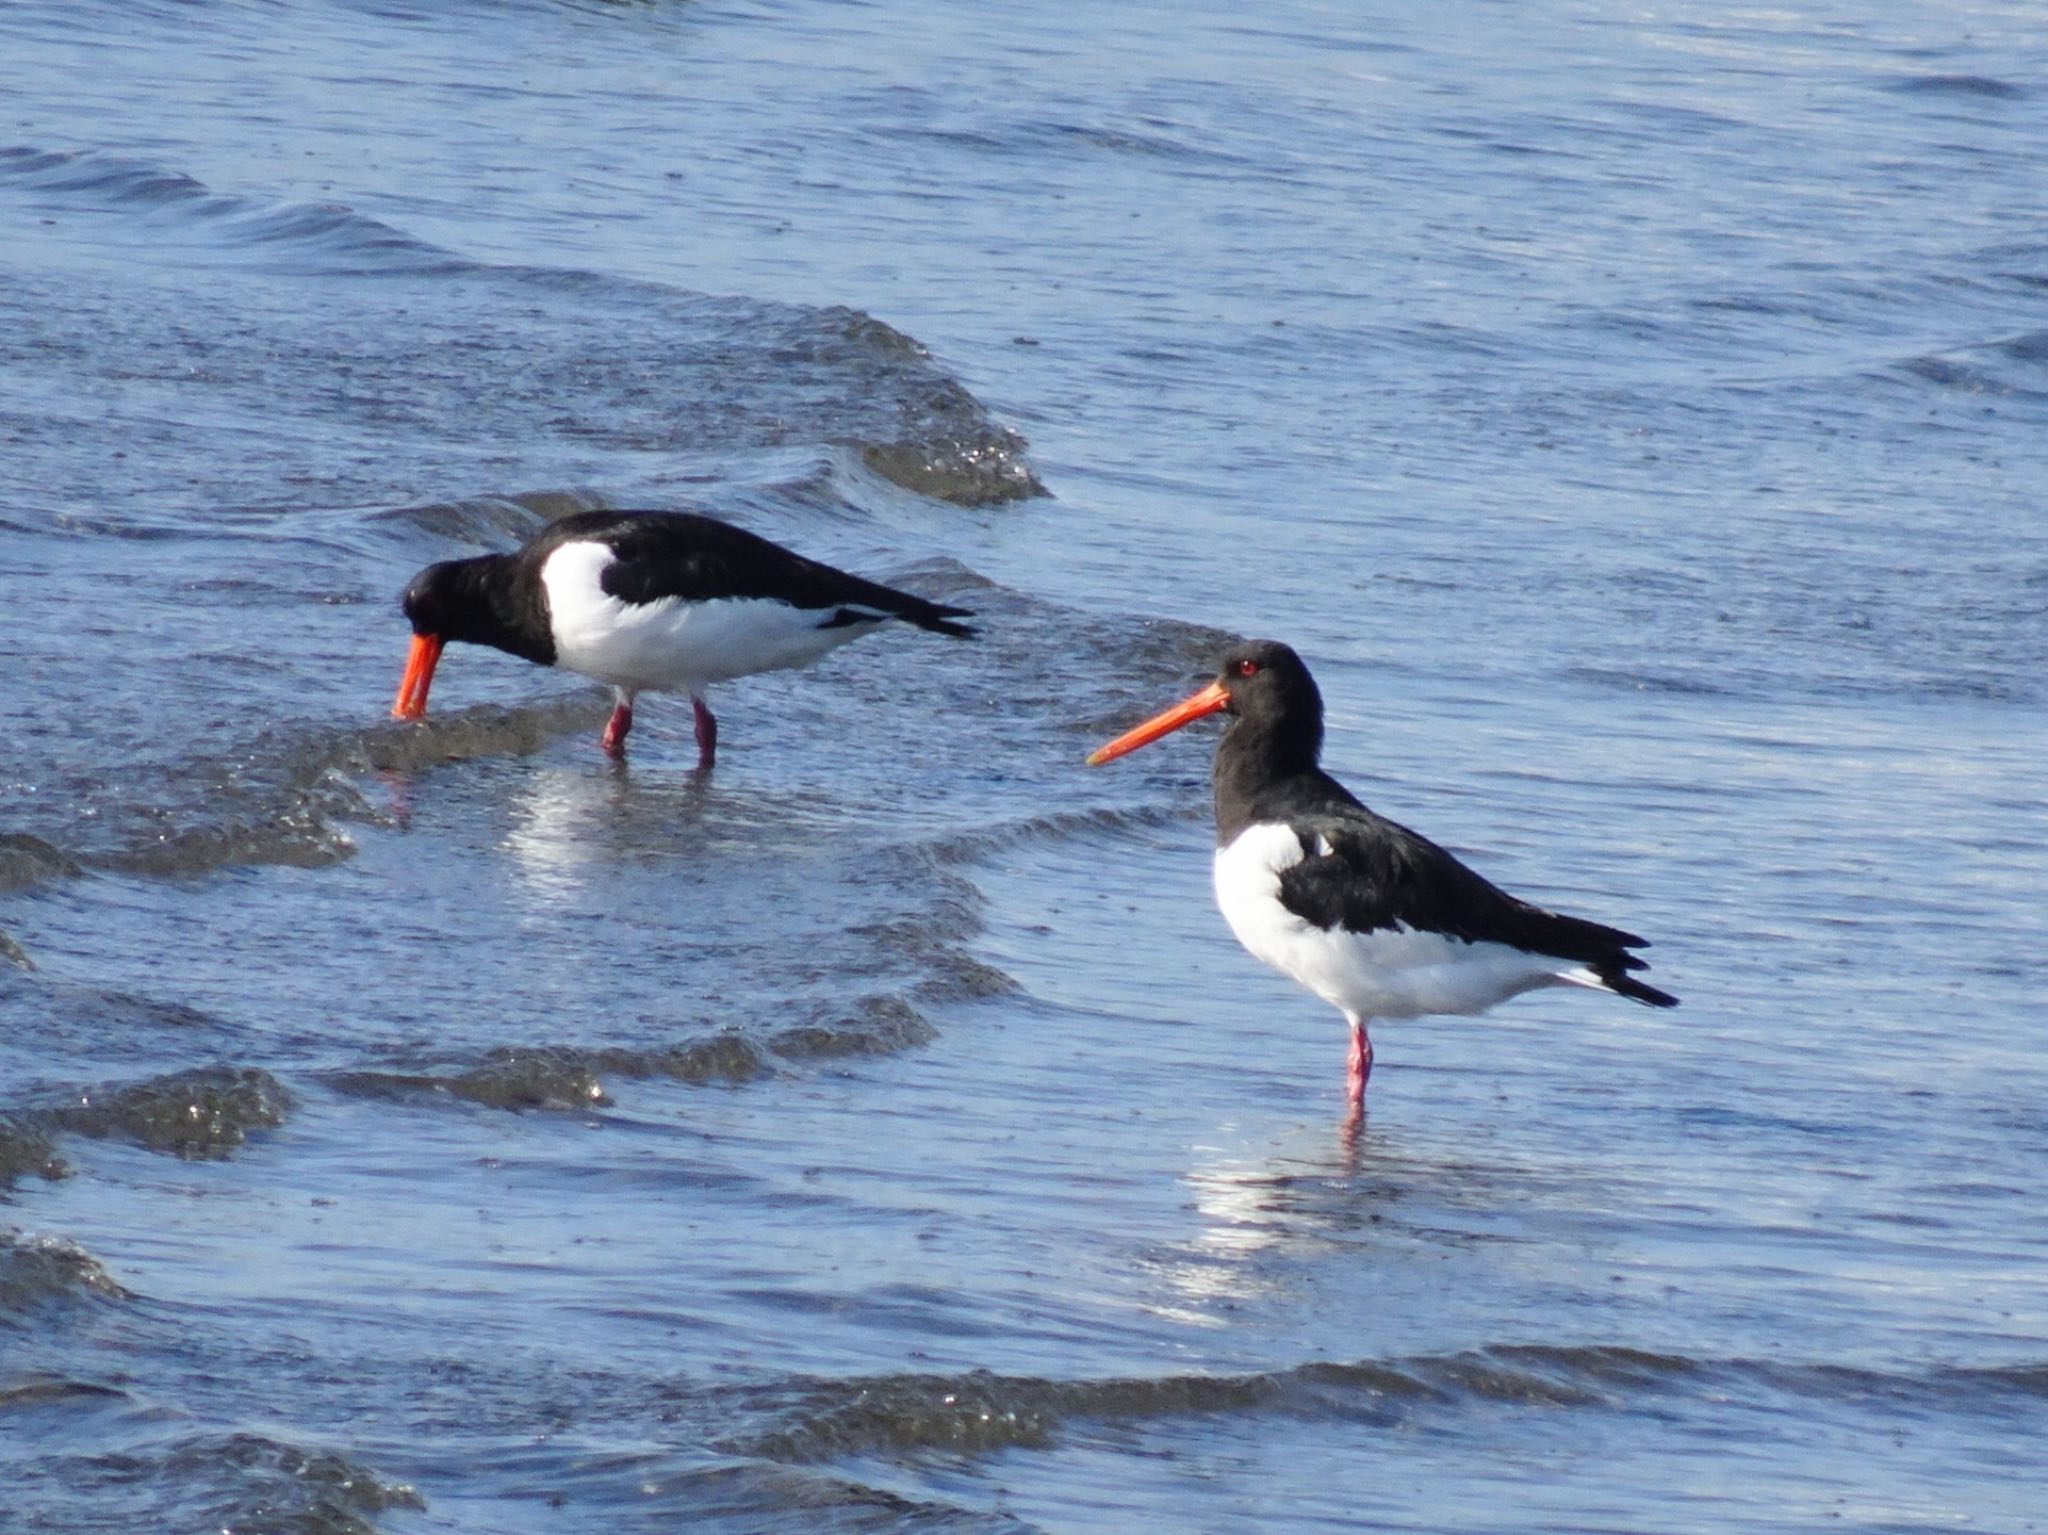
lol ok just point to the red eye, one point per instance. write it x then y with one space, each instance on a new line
1247 668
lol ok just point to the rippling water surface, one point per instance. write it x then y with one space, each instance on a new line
1637 418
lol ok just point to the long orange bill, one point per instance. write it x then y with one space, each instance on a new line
419 676
1208 701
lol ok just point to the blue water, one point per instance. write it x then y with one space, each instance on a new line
1637 421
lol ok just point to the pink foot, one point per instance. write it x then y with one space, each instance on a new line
707 735
614 741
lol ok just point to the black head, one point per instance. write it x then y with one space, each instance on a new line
481 601
1270 692
1275 738
434 598
1267 684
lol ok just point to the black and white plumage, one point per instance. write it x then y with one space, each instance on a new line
1370 916
661 601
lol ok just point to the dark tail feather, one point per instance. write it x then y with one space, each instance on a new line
1603 950
938 618
911 610
1619 980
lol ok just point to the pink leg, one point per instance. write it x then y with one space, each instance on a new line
615 729
1360 1065
707 734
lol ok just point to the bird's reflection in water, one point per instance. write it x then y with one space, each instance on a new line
1351 1139
569 823
1254 1208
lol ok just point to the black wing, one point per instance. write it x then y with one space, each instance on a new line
1362 872
697 558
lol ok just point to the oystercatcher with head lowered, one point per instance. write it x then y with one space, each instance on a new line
1369 916
661 601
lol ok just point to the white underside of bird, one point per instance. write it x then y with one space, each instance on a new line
1391 972
672 644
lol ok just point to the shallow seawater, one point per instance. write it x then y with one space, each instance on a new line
1635 418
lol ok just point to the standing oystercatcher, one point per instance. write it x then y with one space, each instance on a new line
669 601
1370 917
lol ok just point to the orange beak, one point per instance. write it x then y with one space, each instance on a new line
1208 701
411 703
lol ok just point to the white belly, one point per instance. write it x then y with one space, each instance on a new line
1397 972
671 644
